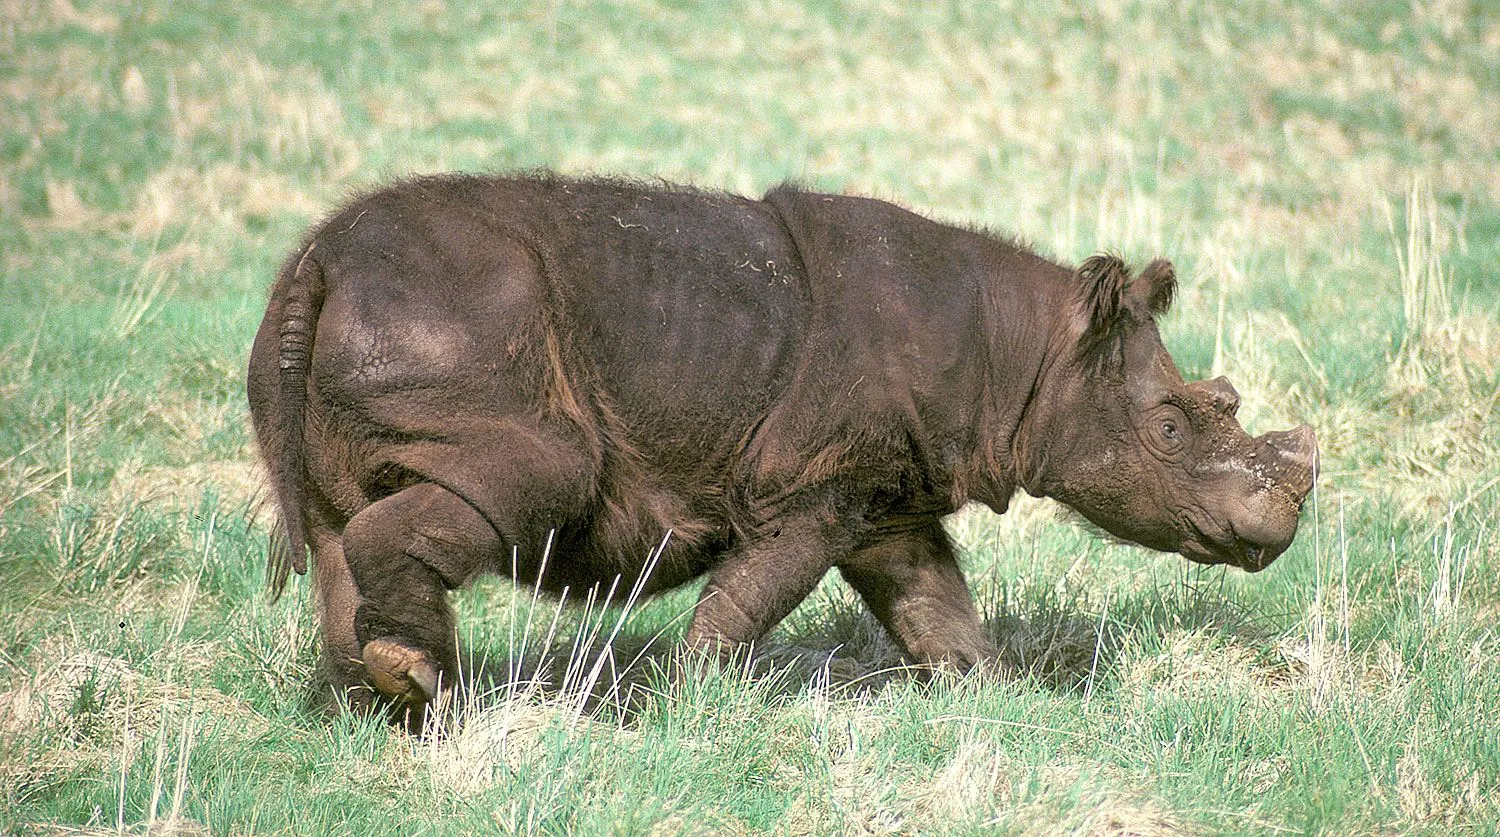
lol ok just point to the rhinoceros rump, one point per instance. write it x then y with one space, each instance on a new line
453 369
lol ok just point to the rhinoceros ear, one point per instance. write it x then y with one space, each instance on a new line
1157 283
1101 281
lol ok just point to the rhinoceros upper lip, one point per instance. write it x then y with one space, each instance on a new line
1248 558
1219 544
1202 553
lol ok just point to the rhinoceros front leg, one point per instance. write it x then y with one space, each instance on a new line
761 580
911 580
404 553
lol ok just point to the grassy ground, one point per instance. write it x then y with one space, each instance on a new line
1326 177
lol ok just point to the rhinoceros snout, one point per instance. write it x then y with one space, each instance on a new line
1287 461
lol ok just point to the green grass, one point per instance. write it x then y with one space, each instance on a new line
1325 176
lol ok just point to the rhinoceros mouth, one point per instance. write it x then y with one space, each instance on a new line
1247 557
1219 544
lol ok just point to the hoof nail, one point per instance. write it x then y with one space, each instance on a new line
400 671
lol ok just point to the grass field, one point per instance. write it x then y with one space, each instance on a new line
1326 177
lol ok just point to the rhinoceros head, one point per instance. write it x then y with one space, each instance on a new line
1116 433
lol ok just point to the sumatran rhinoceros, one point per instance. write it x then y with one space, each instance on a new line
456 371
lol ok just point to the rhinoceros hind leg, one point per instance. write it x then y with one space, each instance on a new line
338 599
911 580
405 552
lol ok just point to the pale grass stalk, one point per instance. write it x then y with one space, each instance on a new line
68 449
1462 504
1463 567
179 788
575 650
185 606
536 590
1424 285
112 541
1450 571
510 625
586 637
518 655
1217 369
8 461
461 701
614 687
1317 625
1088 692
134 304
1295 336
137 296
517 662
158 784
1432 332
607 652
64 538
1440 594
546 645
186 736
557 611
870 675
126 745
26 365
1344 580
36 486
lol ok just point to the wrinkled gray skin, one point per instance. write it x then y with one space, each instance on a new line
452 370
1230 499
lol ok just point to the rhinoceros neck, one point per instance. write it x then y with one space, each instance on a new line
1024 315
940 328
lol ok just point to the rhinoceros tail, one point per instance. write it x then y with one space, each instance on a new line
299 319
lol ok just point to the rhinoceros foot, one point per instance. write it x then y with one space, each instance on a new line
401 672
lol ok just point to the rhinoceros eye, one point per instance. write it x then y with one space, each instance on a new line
1165 430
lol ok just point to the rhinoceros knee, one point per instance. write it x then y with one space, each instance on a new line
424 525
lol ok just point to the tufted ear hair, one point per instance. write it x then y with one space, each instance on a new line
1157 284
1102 280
